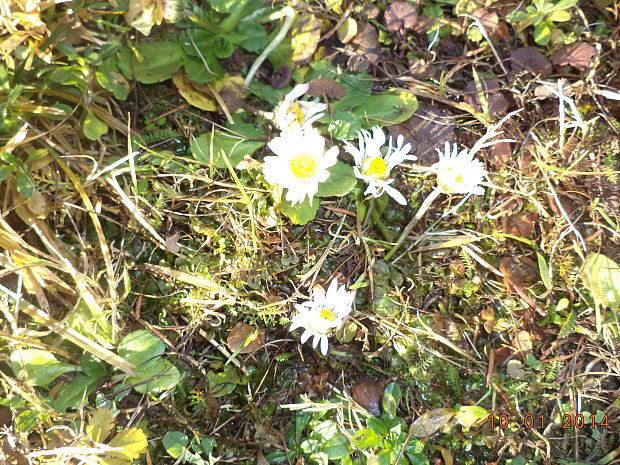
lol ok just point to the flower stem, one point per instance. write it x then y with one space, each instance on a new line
423 208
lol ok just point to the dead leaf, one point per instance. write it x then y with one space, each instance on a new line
233 91
519 270
544 92
400 15
431 422
196 94
172 243
6 416
347 31
421 69
530 59
369 11
364 48
496 100
368 394
281 78
144 14
522 341
245 339
325 87
500 153
305 37
426 130
515 370
579 55
518 225
489 20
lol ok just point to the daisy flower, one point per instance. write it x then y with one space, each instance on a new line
292 115
374 165
301 163
325 311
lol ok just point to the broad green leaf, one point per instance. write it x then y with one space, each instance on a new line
140 346
325 430
341 181
133 443
359 89
38 367
235 144
559 16
542 34
100 425
224 6
601 276
160 375
115 83
388 456
224 382
196 70
337 447
377 425
565 4
391 399
72 394
5 172
301 213
252 37
392 107
93 127
158 61
417 459
175 443
93 366
25 185
344 125
469 415
366 438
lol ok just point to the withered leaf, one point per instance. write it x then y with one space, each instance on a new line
305 37
496 100
488 19
522 341
368 394
519 271
245 339
364 48
426 130
431 422
530 59
578 55
196 94
500 153
233 91
325 87
400 15
518 225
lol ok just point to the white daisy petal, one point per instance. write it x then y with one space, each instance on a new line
324 345
400 198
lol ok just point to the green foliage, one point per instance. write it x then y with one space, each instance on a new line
542 14
601 276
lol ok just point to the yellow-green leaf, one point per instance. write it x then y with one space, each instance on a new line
601 275
100 425
305 37
93 127
131 444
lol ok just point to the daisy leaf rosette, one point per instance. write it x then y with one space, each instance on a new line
300 165
325 311
293 115
374 162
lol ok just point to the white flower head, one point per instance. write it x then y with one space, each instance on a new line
325 311
459 172
373 165
301 163
293 115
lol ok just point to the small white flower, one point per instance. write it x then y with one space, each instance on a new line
459 172
301 163
292 115
325 311
374 165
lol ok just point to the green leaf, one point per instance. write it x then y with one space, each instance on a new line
392 107
235 145
133 443
543 270
175 443
325 430
159 61
301 213
387 456
114 82
73 393
559 16
378 426
337 447
5 172
197 71
223 6
140 346
100 425
542 34
253 37
224 382
38 367
366 438
431 422
417 459
93 366
341 181
160 375
25 185
601 276
93 127
359 89
344 125
469 415
391 399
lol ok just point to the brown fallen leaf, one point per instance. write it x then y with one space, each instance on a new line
144 14
496 100
530 59
431 422
518 225
400 15
500 153
579 55
325 87
305 37
489 20
363 48
245 338
519 270
369 394
197 95
233 91
426 130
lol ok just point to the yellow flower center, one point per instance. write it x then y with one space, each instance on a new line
327 314
296 110
305 166
375 167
